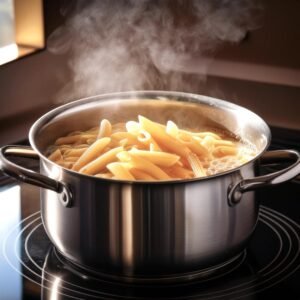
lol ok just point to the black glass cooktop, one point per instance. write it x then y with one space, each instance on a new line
30 267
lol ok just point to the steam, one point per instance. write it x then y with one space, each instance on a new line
146 44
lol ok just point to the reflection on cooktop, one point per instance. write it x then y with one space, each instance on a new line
253 272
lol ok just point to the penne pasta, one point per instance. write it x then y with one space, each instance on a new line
154 147
80 146
148 150
146 139
172 129
104 175
193 145
75 133
91 141
65 164
133 127
56 156
97 165
206 134
122 135
72 139
72 159
105 129
162 159
75 152
158 133
120 171
180 172
208 142
142 164
223 143
140 175
224 150
125 138
196 165
91 153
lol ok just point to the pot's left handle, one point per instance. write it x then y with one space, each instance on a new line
25 175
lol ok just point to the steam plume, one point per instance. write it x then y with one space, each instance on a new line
146 44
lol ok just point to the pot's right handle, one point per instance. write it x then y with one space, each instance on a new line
235 192
25 175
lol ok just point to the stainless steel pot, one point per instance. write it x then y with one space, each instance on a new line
167 230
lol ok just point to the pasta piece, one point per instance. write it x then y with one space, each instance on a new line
71 159
65 164
180 172
208 142
56 156
141 175
196 165
224 150
97 165
193 145
142 164
146 139
122 135
158 133
105 129
162 159
91 153
81 146
120 171
223 143
154 147
75 133
133 127
104 175
207 134
91 141
75 152
170 143
72 139
125 138
64 148
172 129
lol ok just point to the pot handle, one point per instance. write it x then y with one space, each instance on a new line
25 175
235 192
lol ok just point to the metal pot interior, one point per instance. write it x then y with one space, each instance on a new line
186 110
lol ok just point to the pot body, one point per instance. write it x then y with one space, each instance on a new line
148 229
153 230
143 229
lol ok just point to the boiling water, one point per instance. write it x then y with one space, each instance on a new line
245 153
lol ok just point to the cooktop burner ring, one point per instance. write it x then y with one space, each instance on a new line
282 265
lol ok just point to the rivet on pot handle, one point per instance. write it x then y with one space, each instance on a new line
235 192
25 175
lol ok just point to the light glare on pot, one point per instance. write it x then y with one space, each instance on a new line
127 224
53 221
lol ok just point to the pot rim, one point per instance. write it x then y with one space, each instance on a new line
189 97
